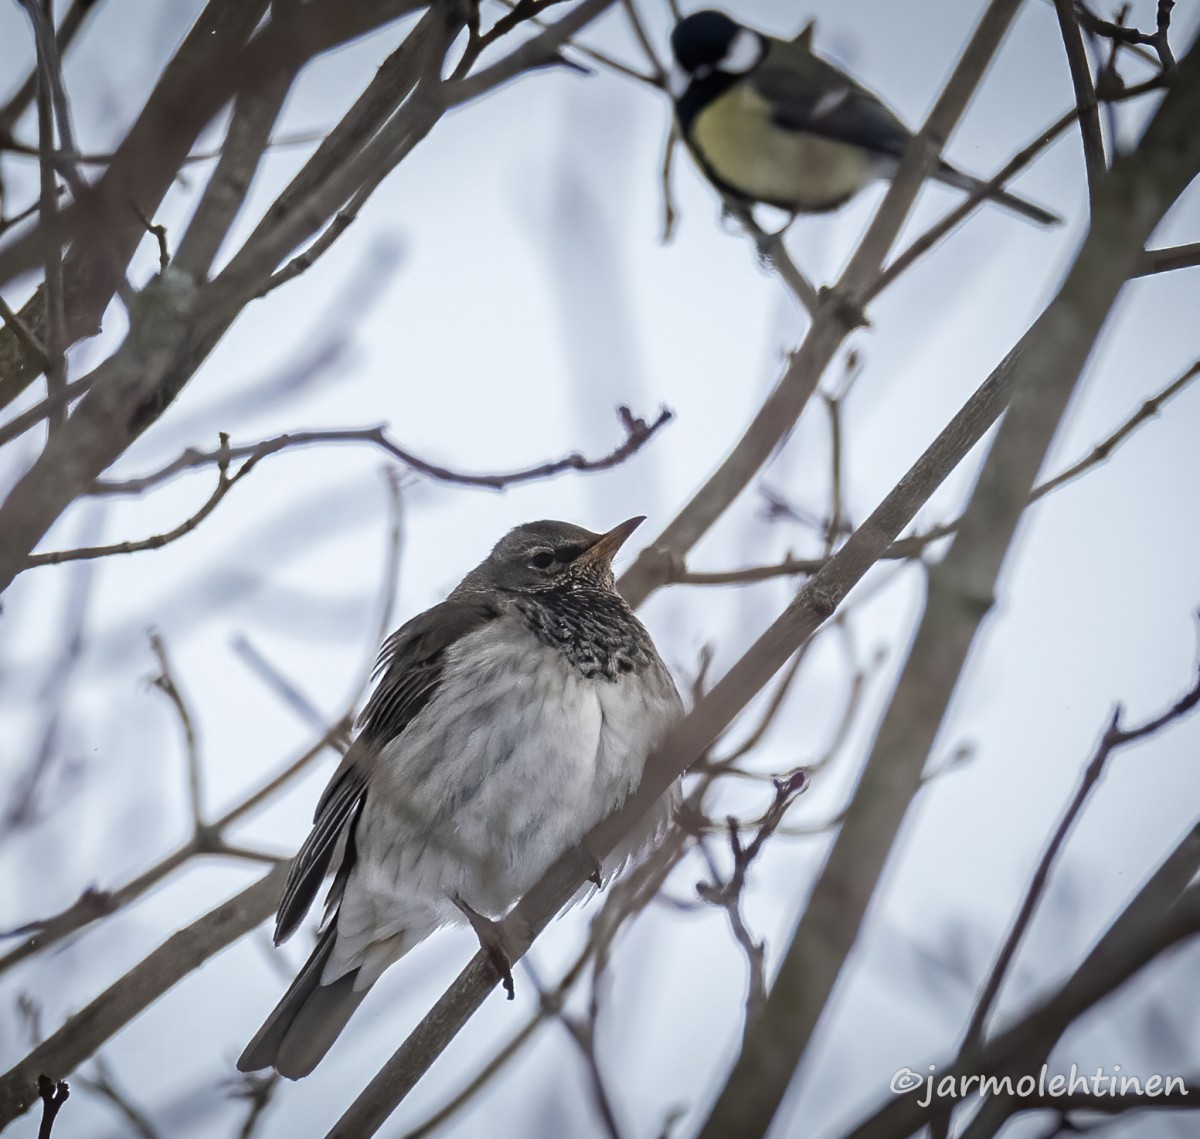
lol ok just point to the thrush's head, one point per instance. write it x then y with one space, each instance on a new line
709 42
541 556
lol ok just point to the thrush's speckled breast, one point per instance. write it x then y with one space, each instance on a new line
507 722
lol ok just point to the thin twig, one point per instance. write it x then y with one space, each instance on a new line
1085 95
85 1032
104 1084
912 546
726 892
64 37
1168 260
1164 912
209 837
639 30
1104 449
772 250
604 60
637 433
303 261
31 344
669 214
31 417
1159 39
159 233
278 683
225 483
1114 738
258 1091
49 81
926 241
165 683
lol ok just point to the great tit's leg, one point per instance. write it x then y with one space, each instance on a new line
494 940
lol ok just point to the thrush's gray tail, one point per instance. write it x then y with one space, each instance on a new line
952 177
308 1019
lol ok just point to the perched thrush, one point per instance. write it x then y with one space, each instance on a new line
507 722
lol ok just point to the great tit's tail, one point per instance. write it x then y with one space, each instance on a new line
953 177
308 1019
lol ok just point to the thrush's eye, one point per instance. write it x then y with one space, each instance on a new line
542 560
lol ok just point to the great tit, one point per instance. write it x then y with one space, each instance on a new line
770 121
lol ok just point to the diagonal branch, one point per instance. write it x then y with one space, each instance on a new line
1165 912
914 545
1114 738
837 316
1048 363
208 838
182 953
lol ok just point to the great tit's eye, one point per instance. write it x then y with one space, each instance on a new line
542 560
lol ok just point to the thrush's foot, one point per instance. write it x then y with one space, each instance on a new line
493 940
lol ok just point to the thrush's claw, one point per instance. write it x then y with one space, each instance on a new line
493 940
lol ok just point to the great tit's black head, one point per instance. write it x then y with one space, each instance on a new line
710 41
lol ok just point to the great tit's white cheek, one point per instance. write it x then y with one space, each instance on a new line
744 53
677 81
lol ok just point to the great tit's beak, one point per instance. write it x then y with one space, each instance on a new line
605 549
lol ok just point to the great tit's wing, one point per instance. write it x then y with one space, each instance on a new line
807 94
409 669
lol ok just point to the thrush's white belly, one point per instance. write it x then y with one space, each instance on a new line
736 140
513 761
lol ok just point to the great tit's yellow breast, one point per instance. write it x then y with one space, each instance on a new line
736 139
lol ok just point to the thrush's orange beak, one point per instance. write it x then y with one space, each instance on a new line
603 552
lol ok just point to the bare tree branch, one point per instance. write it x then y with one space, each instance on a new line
225 483
31 344
165 683
142 171
911 547
637 433
68 29
208 838
180 954
1165 912
1159 39
1114 738
1049 362
1168 260
1085 95
839 313
50 98
104 1084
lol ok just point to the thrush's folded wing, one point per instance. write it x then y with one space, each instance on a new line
819 99
410 667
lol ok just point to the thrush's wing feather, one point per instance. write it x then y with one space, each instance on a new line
310 864
819 99
411 664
